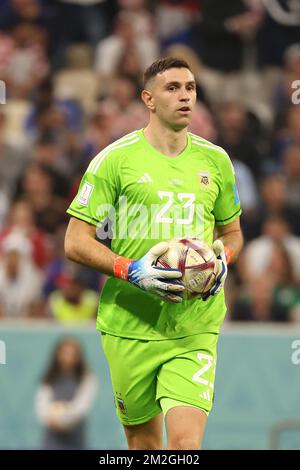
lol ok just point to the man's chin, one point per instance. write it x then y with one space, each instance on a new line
182 124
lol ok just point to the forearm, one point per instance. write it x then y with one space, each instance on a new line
82 247
233 243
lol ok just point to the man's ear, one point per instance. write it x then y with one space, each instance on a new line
147 97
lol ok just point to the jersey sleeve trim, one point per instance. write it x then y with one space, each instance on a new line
80 215
228 219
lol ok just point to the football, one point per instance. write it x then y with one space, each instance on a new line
197 262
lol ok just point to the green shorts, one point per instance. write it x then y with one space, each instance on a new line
145 372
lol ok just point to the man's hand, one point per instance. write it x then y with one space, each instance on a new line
222 270
144 274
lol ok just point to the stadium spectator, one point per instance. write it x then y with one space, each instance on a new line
280 29
291 166
174 21
21 219
20 280
258 253
110 49
12 161
65 397
283 91
26 63
256 303
246 187
236 135
287 134
71 302
37 187
130 112
220 38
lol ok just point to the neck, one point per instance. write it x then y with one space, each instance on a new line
166 140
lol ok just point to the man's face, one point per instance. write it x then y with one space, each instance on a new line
172 97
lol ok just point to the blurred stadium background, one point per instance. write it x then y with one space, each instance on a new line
72 70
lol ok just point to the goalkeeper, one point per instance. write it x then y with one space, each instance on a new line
161 349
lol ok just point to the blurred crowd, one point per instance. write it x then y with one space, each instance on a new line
73 69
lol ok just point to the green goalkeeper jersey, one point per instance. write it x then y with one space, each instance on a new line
137 196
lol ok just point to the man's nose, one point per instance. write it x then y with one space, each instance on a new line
184 96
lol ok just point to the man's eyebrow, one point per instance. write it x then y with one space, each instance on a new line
191 82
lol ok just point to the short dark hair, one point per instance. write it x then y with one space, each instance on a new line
163 64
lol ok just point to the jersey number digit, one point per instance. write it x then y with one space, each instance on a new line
197 377
188 200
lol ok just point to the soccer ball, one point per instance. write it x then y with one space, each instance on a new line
197 262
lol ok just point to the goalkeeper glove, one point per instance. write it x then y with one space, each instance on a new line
222 269
144 274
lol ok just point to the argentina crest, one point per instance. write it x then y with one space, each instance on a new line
204 179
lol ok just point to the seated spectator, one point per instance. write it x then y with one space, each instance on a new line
283 92
20 281
257 303
58 265
50 154
142 20
273 201
45 99
174 21
64 398
202 123
257 255
291 167
12 161
99 131
287 135
280 30
37 187
87 21
220 37
236 135
72 302
4 206
110 50
130 67
131 113
21 219
246 187
26 64
273 294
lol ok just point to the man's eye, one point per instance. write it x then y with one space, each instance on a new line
172 88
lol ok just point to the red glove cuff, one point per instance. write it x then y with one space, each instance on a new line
121 267
228 253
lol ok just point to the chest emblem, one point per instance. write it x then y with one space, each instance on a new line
205 179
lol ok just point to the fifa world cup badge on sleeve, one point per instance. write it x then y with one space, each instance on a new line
85 193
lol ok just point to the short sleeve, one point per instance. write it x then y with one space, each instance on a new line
227 206
98 191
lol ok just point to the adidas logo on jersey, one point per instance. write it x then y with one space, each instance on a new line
205 395
145 179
